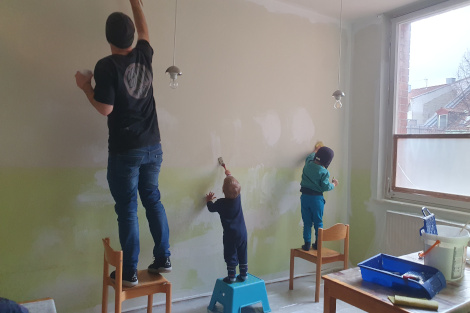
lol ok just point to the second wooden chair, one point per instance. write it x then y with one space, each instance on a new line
322 255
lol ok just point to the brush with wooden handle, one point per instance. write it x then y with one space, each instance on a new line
221 162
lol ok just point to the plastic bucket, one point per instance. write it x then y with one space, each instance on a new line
449 256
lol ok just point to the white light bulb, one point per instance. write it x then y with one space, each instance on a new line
338 104
174 72
174 83
338 94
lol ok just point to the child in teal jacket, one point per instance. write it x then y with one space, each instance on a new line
315 181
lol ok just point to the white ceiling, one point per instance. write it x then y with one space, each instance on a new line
352 9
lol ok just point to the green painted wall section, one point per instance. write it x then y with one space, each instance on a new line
362 222
269 247
48 237
53 220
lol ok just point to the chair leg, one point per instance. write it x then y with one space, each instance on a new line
117 303
104 303
168 299
317 281
291 272
150 304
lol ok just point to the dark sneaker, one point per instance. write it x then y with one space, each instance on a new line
306 246
242 277
314 246
128 279
161 266
230 280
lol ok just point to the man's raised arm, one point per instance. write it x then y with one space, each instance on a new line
139 20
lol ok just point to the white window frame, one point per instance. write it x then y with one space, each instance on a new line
442 121
389 123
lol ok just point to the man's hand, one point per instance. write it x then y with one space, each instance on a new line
334 181
227 172
210 196
83 79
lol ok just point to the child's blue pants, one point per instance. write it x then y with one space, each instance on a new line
312 213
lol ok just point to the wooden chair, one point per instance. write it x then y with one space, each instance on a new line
322 255
147 286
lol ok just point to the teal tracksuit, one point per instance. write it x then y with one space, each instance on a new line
315 181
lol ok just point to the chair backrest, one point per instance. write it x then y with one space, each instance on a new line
336 232
111 256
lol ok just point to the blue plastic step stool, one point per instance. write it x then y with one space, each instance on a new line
237 295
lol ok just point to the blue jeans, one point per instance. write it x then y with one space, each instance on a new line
312 212
129 172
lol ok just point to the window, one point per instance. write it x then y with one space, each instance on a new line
442 121
431 96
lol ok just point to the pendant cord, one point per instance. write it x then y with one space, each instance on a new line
174 34
340 32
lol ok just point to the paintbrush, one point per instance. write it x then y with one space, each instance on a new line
221 162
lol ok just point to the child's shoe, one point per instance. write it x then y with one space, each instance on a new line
306 246
242 277
243 271
230 280
231 272
314 245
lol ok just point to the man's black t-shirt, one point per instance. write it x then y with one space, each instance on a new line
126 83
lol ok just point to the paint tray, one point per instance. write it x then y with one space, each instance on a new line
394 273
429 222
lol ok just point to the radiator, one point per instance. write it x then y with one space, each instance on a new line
402 233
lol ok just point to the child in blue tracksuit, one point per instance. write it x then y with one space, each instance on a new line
233 223
315 181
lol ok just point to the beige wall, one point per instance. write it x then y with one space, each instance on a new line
256 90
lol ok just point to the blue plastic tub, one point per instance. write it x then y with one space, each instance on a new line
413 279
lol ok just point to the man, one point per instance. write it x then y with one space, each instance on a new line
124 93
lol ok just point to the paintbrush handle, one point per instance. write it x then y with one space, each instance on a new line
420 255
463 227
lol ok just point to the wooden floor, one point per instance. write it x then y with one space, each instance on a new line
281 299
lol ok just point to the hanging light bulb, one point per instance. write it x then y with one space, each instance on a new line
338 94
173 70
